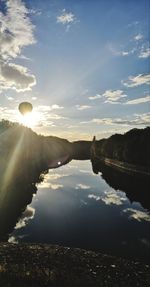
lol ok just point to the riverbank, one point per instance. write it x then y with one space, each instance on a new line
128 151
119 165
99 160
51 265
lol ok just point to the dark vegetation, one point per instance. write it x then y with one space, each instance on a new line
81 150
43 152
27 149
132 147
37 152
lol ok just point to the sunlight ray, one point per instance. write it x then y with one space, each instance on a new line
10 168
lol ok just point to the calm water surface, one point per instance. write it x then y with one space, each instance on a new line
74 207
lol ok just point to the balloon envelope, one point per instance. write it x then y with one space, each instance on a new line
25 108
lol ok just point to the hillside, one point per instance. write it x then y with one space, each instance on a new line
29 151
30 154
131 147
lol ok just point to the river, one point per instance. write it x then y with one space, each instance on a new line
74 207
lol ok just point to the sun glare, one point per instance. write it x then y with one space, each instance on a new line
29 119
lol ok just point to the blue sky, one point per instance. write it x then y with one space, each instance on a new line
84 65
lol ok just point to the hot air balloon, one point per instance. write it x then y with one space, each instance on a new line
25 108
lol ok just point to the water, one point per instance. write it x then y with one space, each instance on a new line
74 207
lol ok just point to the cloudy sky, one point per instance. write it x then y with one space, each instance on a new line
84 65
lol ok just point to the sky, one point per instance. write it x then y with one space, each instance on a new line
83 64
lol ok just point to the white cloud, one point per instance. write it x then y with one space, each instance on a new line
109 198
44 184
110 96
135 23
44 108
93 196
95 97
54 176
112 197
48 115
144 53
139 48
15 77
12 239
54 117
55 186
82 107
16 32
16 29
26 216
137 119
117 52
66 17
138 80
113 96
124 53
107 121
56 107
72 126
35 12
137 214
82 186
49 185
51 177
138 37
85 171
8 114
138 101
10 98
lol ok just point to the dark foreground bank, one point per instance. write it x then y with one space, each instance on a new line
50 265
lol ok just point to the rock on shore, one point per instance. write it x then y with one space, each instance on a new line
51 265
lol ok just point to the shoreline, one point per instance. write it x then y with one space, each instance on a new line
124 166
97 160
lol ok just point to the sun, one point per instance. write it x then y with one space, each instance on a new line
30 119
